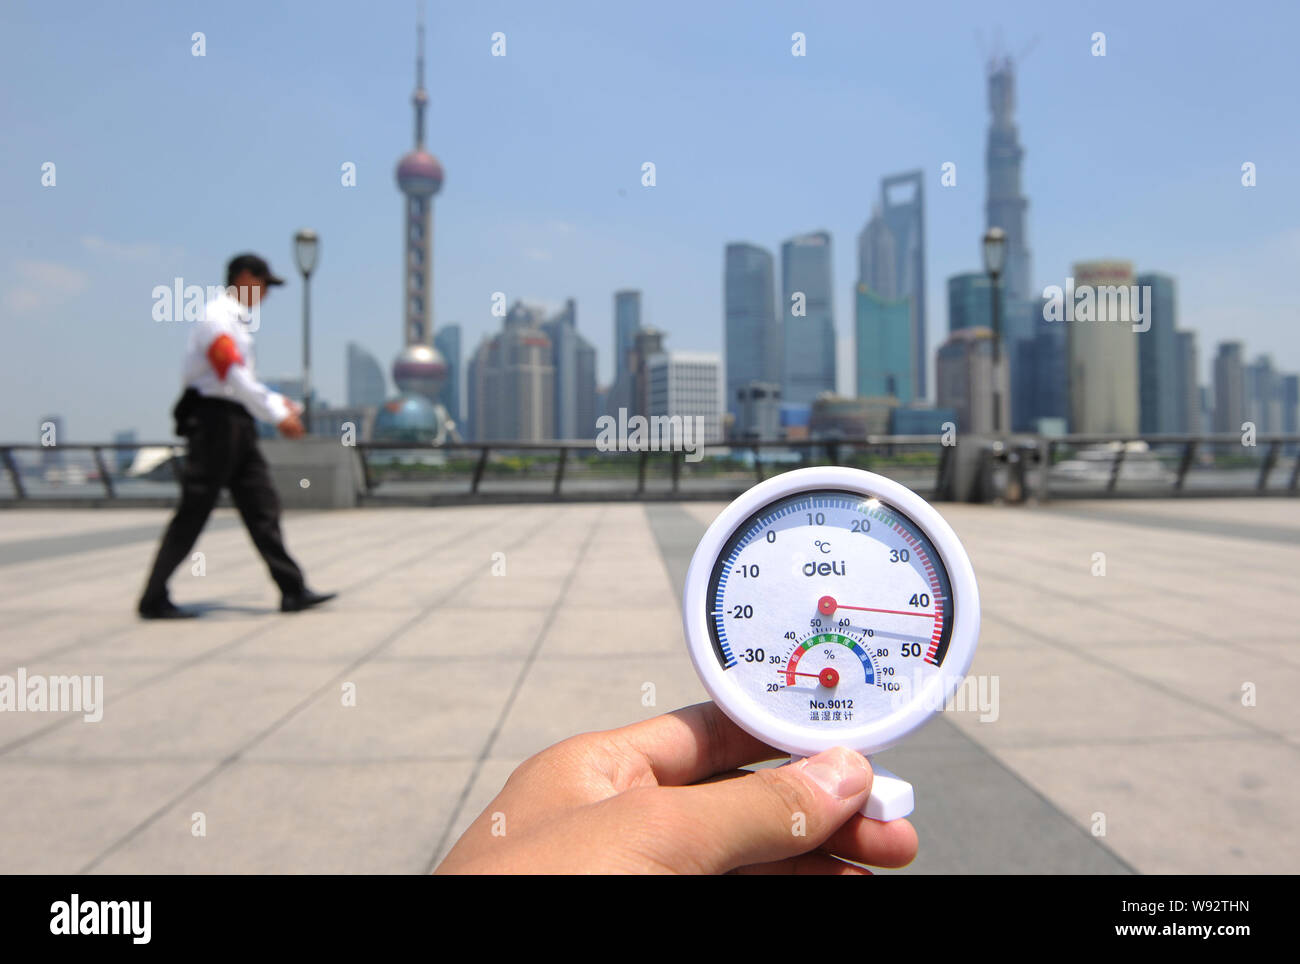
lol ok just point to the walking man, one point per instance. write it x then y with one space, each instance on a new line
216 415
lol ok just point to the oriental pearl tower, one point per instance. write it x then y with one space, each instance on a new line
419 369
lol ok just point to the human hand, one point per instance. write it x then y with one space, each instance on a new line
291 426
666 796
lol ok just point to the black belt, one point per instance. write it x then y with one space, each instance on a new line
192 405
235 408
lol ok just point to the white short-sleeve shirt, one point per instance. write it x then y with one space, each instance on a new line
226 370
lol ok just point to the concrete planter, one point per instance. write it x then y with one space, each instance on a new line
330 470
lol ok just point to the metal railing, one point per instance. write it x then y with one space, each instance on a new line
1183 450
1069 466
579 469
21 478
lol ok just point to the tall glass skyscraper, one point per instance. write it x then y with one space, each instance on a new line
627 322
878 257
627 319
366 382
751 329
1290 392
574 360
1039 381
1229 388
447 341
970 302
904 213
1004 205
883 339
123 457
809 356
512 385
1263 395
1189 384
1158 377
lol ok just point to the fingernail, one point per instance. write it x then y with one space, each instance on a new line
837 771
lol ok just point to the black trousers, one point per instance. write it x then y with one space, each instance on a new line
223 453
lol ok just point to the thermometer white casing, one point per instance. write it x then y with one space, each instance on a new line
916 706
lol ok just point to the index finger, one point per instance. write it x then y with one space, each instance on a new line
692 744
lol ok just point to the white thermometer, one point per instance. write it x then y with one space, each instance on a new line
832 607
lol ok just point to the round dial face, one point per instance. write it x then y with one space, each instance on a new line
829 616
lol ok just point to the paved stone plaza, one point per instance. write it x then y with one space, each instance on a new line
1120 696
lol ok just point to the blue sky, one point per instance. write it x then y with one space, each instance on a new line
169 163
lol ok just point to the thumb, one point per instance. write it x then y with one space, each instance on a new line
780 812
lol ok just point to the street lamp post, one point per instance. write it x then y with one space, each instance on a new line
306 249
995 247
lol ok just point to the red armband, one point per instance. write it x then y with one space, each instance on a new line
222 353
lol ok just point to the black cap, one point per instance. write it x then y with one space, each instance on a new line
254 265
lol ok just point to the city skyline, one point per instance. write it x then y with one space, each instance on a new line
79 254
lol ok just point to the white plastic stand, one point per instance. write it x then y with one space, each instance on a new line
891 796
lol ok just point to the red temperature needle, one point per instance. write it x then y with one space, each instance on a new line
827 606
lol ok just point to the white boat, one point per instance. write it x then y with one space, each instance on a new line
1095 463
65 475
153 463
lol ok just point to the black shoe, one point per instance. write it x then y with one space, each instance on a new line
304 600
165 609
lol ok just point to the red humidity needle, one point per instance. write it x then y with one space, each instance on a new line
827 606
827 677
